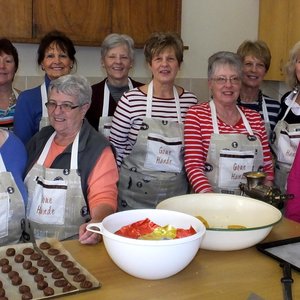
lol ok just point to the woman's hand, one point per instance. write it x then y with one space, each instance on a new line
88 237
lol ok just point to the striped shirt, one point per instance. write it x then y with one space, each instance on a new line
273 107
197 133
131 110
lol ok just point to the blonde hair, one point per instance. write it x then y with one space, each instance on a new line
290 67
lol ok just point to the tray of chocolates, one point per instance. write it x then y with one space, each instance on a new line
52 272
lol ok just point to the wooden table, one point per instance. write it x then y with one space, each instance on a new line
211 275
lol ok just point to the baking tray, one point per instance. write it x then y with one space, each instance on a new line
12 292
284 251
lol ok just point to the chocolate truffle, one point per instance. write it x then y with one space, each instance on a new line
27 264
33 271
53 251
73 271
61 282
60 257
42 284
43 262
35 256
6 268
10 252
38 277
48 291
27 296
49 269
79 278
67 264
24 289
45 246
57 274
16 280
11 274
86 284
2 292
28 251
19 258
4 261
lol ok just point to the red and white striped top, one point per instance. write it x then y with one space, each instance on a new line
197 132
130 112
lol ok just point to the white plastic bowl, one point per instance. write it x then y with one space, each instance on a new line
221 210
150 259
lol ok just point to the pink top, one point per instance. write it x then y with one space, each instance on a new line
292 207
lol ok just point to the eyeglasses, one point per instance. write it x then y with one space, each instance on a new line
223 80
250 65
65 107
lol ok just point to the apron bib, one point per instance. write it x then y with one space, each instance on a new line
44 120
230 156
153 171
105 120
56 205
285 143
12 209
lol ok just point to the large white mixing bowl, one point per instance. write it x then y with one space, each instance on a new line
150 259
221 210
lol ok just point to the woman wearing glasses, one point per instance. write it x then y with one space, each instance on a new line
56 56
222 140
71 172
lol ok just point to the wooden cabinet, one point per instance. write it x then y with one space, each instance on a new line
88 22
139 18
16 19
279 27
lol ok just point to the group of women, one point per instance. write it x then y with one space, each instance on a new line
122 144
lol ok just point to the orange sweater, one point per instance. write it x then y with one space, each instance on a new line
102 182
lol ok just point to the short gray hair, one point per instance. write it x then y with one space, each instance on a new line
73 85
222 58
113 40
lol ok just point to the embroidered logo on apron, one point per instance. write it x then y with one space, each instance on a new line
50 200
163 154
232 165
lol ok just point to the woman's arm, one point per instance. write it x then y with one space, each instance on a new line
195 151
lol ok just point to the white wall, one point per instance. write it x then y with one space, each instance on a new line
207 26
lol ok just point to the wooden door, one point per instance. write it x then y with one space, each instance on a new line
273 29
86 22
16 19
139 18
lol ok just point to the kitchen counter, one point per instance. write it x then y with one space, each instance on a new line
211 275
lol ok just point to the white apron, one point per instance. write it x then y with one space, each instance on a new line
153 171
105 120
44 120
266 118
285 141
230 156
12 209
56 205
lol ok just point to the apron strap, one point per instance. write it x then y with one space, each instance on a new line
2 165
74 152
215 122
295 93
106 97
44 100
150 97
